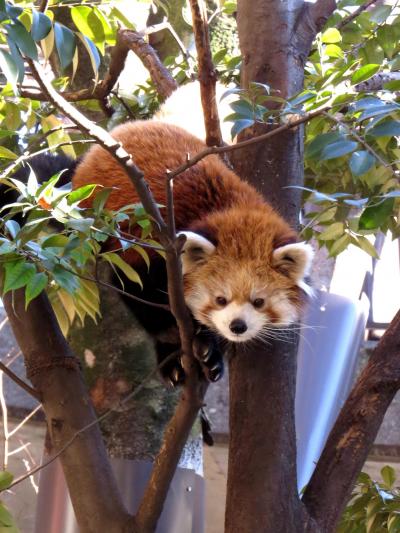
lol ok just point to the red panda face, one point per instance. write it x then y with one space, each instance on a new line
244 298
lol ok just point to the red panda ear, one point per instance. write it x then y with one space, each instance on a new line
293 260
195 251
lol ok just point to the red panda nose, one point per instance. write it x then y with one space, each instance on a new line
238 326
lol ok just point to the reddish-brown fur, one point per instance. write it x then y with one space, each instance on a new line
202 193
211 200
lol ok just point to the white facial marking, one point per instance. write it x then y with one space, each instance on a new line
286 310
296 259
254 321
195 250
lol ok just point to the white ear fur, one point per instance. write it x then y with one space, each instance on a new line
294 260
195 250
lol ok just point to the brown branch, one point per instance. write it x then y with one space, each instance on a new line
194 389
43 5
126 40
66 403
207 73
363 7
254 140
20 382
377 81
311 20
162 79
354 432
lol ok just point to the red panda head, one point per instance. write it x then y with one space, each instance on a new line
249 279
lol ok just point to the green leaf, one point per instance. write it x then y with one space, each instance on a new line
92 51
67 280
315 147
101 198
339 245
332 50
338 149
389 476
55 241
65 43
366 245
393 522
364 73
129 272
240 125
23 39
6 478
8 67
331 35
390 128
17 58
381 109
333 231
17 274
41 25
80 194
13 227
34 287
7 524
360 162
375 216
5 153
89 24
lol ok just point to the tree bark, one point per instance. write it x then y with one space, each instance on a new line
262 487
55 374
354 432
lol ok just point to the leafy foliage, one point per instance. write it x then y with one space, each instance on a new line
374 507
59 245
352 164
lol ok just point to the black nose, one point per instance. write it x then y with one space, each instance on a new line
238 326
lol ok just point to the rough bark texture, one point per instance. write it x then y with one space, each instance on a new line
262 492
262 488
55 374
354 432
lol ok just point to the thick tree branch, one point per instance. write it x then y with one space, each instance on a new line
311 20
207 73
354 432
55 374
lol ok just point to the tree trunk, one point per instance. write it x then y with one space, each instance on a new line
55 374
262 488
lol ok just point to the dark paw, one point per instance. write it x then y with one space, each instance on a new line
169 360
208 354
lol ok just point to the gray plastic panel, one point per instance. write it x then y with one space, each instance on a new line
327 358
183 510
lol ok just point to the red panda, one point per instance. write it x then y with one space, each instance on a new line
243 267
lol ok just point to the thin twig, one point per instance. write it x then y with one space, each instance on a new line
346 20
232 147
27 388
25 420
362 141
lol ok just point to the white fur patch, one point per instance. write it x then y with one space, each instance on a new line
296 259
195 250
254 320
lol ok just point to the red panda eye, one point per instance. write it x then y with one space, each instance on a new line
220 300
258 302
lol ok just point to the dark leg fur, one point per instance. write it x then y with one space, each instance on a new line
162 326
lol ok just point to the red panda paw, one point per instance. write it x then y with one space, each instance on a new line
209 355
